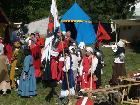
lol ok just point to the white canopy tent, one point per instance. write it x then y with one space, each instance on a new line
40 26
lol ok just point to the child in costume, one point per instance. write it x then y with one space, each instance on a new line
75 62
68 82
89 63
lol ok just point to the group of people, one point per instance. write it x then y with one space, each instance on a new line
56 59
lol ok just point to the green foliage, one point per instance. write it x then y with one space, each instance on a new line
104 10
100 10
20 60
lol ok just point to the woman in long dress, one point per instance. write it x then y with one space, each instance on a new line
17 46
27 82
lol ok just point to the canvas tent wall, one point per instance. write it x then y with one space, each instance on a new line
79 23
40 26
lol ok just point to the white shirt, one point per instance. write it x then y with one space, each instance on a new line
66 64
94 64
75 60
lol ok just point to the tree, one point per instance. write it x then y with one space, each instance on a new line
99 10
105 10
26 10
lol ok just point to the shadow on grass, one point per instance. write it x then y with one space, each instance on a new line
51 95
50 84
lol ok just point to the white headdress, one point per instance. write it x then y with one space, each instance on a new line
1 49
64 32
81 45
89 49
121 44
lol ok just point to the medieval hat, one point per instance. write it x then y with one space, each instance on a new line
89 49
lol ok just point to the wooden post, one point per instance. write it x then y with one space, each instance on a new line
91 75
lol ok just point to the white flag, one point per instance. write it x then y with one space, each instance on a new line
54 13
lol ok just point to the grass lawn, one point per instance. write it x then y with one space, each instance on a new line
132 65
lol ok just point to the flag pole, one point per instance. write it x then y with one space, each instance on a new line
116 33
91 76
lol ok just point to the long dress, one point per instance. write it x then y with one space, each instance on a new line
27 82
4 77
13 68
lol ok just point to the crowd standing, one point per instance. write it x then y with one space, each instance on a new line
54 60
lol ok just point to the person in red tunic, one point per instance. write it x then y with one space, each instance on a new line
32 40
39 40
50 30
8 51
51 24
36 53
62 44
54 65
51 75
89 66
60 68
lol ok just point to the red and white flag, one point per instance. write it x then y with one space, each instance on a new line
84 101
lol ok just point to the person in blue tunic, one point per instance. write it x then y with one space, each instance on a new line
27 82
